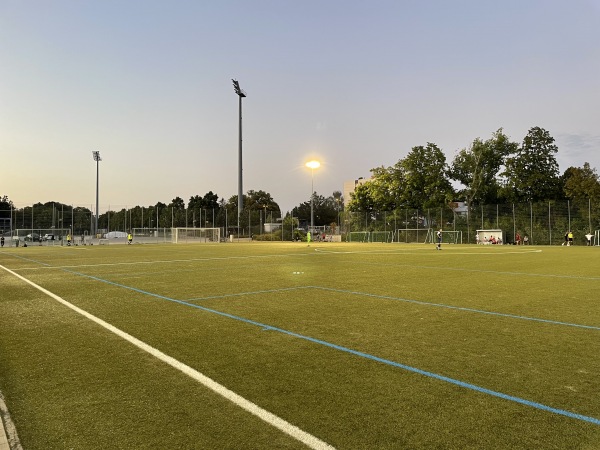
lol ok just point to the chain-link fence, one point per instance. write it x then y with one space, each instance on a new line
544 223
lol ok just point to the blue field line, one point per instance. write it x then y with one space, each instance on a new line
458 308
436 376
241 294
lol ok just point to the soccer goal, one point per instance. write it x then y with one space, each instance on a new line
195 235
411 235
358 236
371 236
448 237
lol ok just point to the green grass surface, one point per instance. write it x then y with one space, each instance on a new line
348 342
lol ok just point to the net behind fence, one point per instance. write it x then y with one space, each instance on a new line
195 235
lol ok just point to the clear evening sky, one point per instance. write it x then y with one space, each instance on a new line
355 84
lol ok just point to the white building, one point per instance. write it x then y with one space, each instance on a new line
350 187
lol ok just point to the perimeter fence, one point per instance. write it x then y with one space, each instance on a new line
544 223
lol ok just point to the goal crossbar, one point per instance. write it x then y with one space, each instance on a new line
182 235
448 237
411 235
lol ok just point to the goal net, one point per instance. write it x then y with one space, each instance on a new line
371 236
411 235
195 235
448 237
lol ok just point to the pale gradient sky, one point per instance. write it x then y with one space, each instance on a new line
354 84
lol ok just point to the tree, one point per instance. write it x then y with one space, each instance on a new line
532 173
424 178
420 180
177 203
477 168
581 183
362 198
5 205
325 210
210 200
257 200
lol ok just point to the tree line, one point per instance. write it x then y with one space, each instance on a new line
202 211
494 171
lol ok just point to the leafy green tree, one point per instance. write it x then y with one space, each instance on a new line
419 180
581 183
532 173
195 202
210 200
257 200
5 206
424 179
325 210
362 199
477 168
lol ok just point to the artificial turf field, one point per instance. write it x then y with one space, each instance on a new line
357 346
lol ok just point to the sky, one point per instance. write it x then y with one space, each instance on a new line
354 84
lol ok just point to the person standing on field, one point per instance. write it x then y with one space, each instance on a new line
129 238
439 239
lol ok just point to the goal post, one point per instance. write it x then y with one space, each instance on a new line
448 237
371 236
358 236
182 235
412 235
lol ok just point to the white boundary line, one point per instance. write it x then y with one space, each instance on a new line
457 252
279 423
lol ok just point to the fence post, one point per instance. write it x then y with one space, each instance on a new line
549 225
514 222
531 223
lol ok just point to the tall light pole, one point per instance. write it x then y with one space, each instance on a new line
97 159
241 94
312 165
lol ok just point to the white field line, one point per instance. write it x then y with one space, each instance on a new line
279 423
161 261
457 252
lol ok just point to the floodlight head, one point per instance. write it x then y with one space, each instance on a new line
96 156
237 89
313 164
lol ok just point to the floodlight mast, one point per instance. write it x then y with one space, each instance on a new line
312 165
241 94
97 159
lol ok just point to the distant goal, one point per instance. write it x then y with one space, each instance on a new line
195 235
448 237
370 236
411 235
